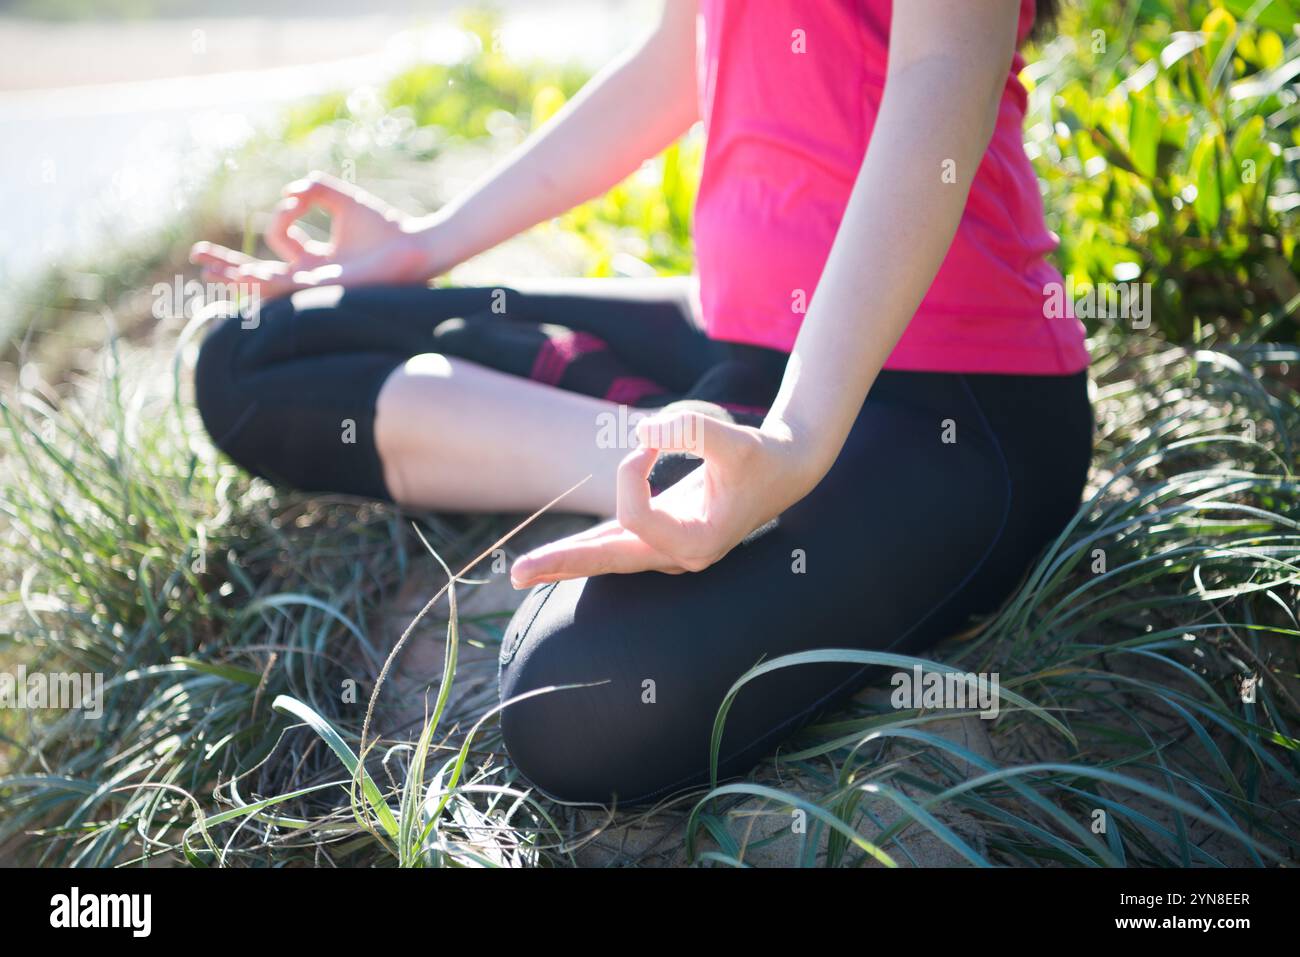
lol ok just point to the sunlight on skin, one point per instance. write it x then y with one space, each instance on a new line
432 364
947 61
453 435
458 436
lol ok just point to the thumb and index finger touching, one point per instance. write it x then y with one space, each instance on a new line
283 235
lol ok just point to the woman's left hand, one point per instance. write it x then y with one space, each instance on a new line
748 477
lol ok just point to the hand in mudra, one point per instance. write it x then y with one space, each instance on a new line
370 242
748 476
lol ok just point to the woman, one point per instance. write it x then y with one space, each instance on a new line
880 460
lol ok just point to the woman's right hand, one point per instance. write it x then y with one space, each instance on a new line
370 243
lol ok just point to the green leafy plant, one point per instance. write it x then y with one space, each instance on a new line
1167 134
1149 661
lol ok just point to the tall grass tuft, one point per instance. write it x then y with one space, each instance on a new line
1161 630
1148 663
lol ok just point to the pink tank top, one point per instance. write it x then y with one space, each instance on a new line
787 131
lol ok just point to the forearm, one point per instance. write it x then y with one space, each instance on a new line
899 222
948 63
626 114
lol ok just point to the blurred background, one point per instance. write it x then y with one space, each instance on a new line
1166 132
117 115
1161 629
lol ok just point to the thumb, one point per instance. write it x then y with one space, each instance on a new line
320 189
288 240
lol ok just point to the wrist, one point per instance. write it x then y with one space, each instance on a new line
803 460
438 240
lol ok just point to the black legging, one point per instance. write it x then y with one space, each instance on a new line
947 487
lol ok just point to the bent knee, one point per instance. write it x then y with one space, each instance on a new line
578 721
220 396
540 727
408 411
216 393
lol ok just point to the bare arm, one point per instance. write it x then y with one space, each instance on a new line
626 114
948 62
947 67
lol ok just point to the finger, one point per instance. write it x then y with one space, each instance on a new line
329 192
203 252
633 488
286 239
659 528
282 284
596 535
701 435
218 273
616 553
316 250
269 285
